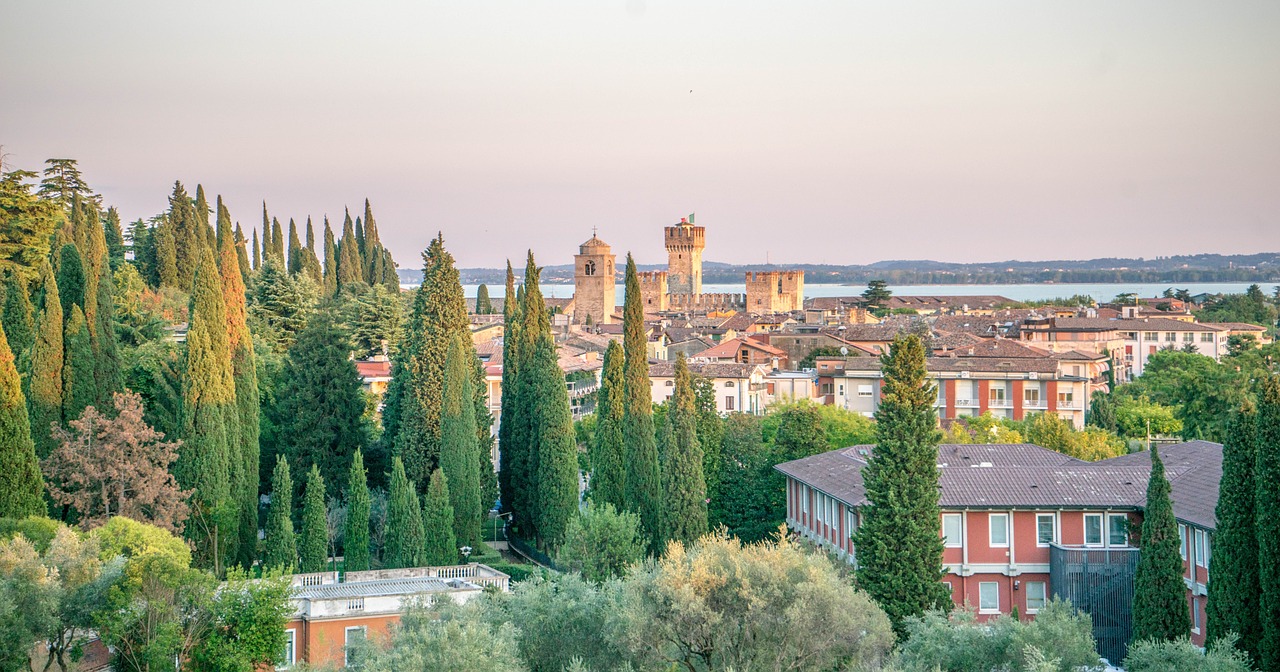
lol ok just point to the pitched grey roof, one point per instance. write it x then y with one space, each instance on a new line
384 587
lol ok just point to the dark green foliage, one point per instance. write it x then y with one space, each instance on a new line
203 229
1267 476
811 358
115 238
78 387
710 432
189 237
1160 596
249 635
294 258
280 548
459 447
107 376
640 447
440 546
356 533
1060 639
1102 411
520 451
21 485
282 303
44 387
800 433
1251 307
554 444
18 320
62 182
314 535
210 428
876 293
608 475
257 253
319 409
684 492
483 305
1181 655
1234 584
374 315
26 226
899 550
155 373
165 249
70 280
601 543
350 270
246 456
748 483
509 478
330 288
405 544
277 244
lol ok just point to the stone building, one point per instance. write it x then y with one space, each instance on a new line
594 284
685 243
775 291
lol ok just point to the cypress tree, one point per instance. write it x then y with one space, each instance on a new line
205 233
267 245
78 388
459 447
311 235
1159 596
356 533
390 277
92 245
899 550
246 453
483 305
313 553
360 247
188 236
45 386
70 279
242 256
350 271
142 244
373 250
640 448
684 488
294 259
440 547
21 486
524 459
19 327
277 244
554 444
608 472
210 421
107 374
114 236
280 547
1267 503
405 542
257 254
1234 585
510 413
166 252
330 262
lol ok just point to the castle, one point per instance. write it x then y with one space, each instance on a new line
679 288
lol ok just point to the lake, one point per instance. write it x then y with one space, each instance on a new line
1028 292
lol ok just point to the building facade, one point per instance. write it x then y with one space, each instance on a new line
775 291
594 283
684 243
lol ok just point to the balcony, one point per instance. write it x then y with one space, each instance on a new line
966 403
581 388
999 403
1035 404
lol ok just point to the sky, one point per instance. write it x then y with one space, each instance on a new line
816 132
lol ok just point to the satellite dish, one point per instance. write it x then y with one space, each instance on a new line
844 351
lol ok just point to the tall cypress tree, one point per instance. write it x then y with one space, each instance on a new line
458 445
330 262
280 547
640 447
1160 596
405 544
373 250
356 533
360 246
899 550
210 422
295 249
524 457
19 326
350 270
554 444
70 279
166 256
313 553
1234 585
242 256
440 547
188 236
684 489
1267 475
107 375
204 231
390 278
257 254
114 236
246 453
510 413
21 485
608 477
78 388
45 386
483 305
267 245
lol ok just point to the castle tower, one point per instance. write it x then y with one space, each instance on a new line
684 256
593 283
775 291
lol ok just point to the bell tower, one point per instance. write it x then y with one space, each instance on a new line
684 256
593 282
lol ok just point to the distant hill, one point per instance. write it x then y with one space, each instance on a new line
1262 267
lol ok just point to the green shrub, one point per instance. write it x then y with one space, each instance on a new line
1183 656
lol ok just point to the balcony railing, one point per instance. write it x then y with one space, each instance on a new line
999 403
966 402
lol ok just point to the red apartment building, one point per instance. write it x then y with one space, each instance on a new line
1022 523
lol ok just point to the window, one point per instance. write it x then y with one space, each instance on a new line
1170 337
1195 615
1046 532
1182 540
804 498
353 635
1202 549
1093 529
999 528
1035 596
1206 337
670 383
840 389
1150 336
995 396
1117 529
951 529
864 390
1031 395
850 522
290 648
1067 399
728 383
1187 337
826 388
988 597
728 403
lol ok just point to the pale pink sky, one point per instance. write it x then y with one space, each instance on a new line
838 132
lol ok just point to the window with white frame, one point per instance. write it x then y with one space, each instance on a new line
728 403
353 636
864 390
1036 596
290 655
988 597
1188 337
951 530
1170 337
1195 615
948 585
1046 529
1117 529
849 521
1206 337
1150 336
1182 540
998 528
804 499
1093 529
1202 549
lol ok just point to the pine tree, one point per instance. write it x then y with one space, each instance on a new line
458 445
70 279
19 326
21 486
78 388
350 271
640 448
684 493
483 305
1267 503
210 422
356 533
314 536
1160 596
510 413
114 238
107 375
404 542
1233 588
440 547
899 550
556 448
280 547
608 471
62 182
246 453
45 385
330 263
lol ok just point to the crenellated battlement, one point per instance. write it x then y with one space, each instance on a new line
775 291
653 290
705 302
